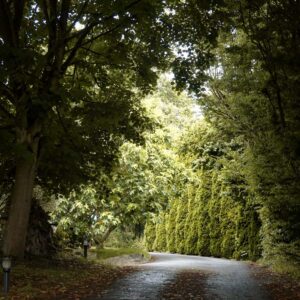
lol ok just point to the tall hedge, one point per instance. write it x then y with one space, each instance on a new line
171 225
180 235
150 234
160 242
214 210
192 223
213 218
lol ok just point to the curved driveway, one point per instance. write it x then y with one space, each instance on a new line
226 279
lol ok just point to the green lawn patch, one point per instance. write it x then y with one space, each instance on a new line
112 252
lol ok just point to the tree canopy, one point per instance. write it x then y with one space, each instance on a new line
79 117
247 151
71 76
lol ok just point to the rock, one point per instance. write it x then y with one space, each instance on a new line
39 240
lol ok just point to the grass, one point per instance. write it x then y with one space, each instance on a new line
285 267
68 276
282 266
112 252
59 279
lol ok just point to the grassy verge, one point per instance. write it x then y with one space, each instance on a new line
112 252
283 266
60 279
280 280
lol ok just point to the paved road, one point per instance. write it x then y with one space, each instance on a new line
226 279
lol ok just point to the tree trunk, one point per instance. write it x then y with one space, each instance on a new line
100 240
16 228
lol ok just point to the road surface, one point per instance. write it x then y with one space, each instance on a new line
224 279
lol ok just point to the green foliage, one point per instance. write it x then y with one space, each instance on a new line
160 242
150 235
121 238
79 79
248 200
83 214
215 215
227 186
72 76
214 211
229 216
139 182
255 99
203 196
248 239
80 70
192 224
182 210
171 225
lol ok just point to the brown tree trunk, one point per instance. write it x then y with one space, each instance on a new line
100 241
19 211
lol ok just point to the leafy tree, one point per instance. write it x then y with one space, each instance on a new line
145 177
84 213
141 178
50 68
141 181
248 151
68 75
255 99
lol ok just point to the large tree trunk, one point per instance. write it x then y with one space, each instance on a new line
16 228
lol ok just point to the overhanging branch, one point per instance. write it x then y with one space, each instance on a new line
7 92
6 112
84 33
66 131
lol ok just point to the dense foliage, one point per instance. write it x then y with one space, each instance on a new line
216 214
139 183
259 92
249 167
78 120
71 79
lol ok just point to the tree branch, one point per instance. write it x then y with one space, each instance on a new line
80 42
79 15
102 34
6 112
6 23
64 13
7 92
7 127
51 24
65 129
18 17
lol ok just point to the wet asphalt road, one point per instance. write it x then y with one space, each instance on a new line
227 279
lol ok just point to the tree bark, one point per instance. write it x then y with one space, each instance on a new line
19 211
100 241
